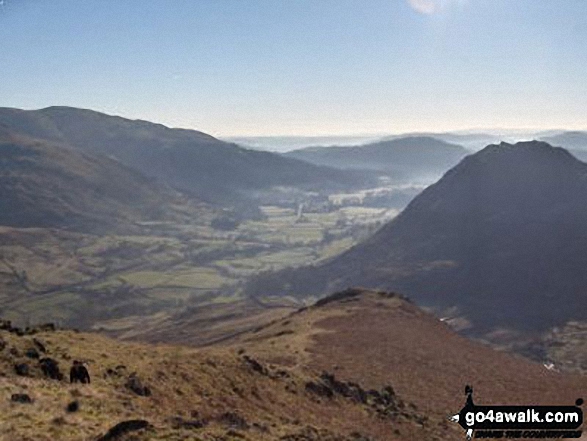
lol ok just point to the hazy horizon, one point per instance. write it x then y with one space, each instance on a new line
263 68
489 131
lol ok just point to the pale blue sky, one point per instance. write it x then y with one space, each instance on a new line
302 67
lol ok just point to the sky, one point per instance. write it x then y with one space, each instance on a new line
302 67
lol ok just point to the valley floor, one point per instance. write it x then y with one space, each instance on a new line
107 281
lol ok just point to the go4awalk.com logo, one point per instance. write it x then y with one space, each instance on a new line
523 422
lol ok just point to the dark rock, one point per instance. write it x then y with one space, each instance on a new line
2 344
40 346
47 327
72 407
50 368
356 436
310 433
58 421
22 369
255 365
21 398
282 374
30 331
180 423
343 296
356 393
79 373
384 403
32 353
319 389
123 428
233 420
388 396
338 387
135 384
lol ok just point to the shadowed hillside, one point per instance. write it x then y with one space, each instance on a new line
500 236
191 161
43 184
89 241
569 140
407 158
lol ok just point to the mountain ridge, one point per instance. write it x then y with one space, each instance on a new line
401 159
499 236
191 161
44 184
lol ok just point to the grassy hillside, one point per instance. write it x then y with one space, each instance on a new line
44 184
90 242
290 380
191 161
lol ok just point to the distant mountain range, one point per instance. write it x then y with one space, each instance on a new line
287 143
501 237
474 140
402 158
43 184
573 140
188 160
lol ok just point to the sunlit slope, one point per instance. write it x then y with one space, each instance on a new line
360 366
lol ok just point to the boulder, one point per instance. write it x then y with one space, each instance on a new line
135 384
32 353
39 345
124 427
22 369
233 420
21 398
50 368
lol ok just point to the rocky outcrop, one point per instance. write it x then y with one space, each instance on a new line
135 384
21 398
50 369
6 325
385 403
22 369
124 427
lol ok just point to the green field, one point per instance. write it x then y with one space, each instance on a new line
79 279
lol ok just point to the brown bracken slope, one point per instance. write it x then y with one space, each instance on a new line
357 366
376 338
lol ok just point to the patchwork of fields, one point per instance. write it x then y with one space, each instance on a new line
86 281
